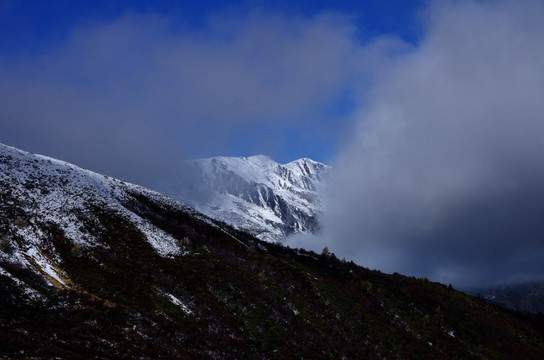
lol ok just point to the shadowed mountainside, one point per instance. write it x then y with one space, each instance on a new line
92 267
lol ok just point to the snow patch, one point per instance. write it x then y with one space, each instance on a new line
162 242
179 303
44 266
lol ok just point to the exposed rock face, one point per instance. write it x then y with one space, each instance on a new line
255 194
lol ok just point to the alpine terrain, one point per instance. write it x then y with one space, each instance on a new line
96 268
255 194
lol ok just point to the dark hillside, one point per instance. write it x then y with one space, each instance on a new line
244 299
221 295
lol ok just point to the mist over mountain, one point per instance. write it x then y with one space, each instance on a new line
528 296
255 194
94 267
443 175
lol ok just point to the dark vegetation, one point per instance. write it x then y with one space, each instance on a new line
243 298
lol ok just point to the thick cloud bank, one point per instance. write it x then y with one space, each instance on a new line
127 97
444 176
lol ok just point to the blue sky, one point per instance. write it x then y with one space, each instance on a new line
37 33
34 26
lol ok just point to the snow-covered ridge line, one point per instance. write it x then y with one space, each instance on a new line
255 194
38 193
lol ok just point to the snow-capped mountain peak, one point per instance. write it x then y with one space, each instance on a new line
255 194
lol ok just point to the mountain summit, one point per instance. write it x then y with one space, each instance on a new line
255 194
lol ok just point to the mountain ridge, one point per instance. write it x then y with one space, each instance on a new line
94 267
255 194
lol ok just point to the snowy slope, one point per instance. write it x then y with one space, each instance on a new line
255 194
92 267
40 195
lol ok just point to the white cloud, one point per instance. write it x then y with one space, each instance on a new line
443 176
119 94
